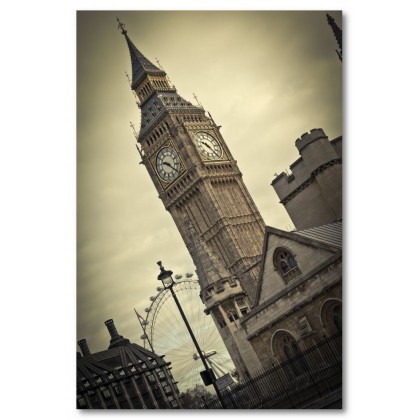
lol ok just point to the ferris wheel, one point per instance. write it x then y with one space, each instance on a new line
165 333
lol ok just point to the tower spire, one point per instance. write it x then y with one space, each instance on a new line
140 65
338 35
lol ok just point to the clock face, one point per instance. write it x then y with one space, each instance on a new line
208 146
168 164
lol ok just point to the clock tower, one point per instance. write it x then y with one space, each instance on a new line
195 173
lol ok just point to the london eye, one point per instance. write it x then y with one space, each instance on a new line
165 333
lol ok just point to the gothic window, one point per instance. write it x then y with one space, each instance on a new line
285 264
331 316
287 351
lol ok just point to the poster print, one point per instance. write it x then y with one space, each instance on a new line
209 143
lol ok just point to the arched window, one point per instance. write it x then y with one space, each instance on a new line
286 350
285 264
331 316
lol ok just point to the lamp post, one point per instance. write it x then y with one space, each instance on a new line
165 277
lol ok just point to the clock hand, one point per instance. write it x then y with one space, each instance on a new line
168 164
207 145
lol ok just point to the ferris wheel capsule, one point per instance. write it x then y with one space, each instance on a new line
178 276
188 275
144 336
152 298
147 310
159 289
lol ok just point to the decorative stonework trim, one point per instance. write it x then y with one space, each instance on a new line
311 179
145 131
290 311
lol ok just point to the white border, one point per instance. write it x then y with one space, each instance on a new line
38 196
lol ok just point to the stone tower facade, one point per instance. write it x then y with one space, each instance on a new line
312 193
195 174
226 302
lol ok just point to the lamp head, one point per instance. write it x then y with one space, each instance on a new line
165 276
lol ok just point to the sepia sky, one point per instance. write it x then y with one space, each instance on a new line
266 78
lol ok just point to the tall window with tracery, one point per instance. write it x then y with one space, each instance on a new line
285 264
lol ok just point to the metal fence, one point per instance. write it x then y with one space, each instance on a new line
311 379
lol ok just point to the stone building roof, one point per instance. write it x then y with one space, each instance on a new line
330 234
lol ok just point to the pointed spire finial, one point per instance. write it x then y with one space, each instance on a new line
198 102
134 130
158 63
121 27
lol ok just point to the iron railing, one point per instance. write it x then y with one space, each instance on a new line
311 379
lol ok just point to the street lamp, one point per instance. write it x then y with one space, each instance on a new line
207 375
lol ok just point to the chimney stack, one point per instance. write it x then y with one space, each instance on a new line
116 339
112 329
84 347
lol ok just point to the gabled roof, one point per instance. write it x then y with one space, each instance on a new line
327 237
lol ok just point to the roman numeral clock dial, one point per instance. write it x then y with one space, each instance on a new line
168 164
208 146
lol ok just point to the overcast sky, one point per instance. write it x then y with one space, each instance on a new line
266 78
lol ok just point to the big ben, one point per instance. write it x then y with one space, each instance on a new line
194 172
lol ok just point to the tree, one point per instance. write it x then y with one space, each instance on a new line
196 397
